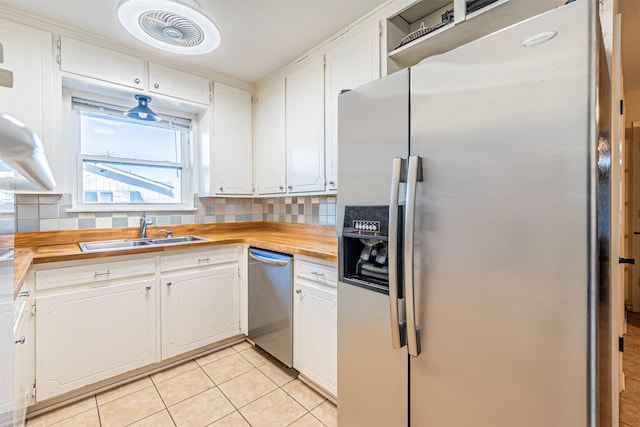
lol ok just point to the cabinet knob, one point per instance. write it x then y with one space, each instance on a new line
281 188
168 283
332 183
136 81
148 287
156 85
290 187
21 340
221 188
298 291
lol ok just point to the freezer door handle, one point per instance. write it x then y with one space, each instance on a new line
398 331
414 175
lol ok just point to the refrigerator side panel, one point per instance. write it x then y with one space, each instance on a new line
601 346
503 227
373 128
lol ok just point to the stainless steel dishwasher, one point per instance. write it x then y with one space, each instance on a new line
271 303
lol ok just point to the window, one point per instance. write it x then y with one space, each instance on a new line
127 162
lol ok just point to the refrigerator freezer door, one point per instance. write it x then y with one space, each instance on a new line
373 128
503 219
372 375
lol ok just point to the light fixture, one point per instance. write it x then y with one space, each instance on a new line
142 110
170 25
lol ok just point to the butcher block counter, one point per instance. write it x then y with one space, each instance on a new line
52 246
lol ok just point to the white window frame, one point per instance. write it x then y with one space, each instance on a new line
186 163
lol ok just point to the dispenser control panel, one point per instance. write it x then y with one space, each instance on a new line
364 225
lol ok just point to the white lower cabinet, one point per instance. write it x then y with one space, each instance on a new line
315 323
88 335
199 308
24 354
96 319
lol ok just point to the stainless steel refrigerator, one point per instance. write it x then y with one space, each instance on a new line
473 225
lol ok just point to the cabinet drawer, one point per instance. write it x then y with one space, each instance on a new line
93 273
191 259
319 272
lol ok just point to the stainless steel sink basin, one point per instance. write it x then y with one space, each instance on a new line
177 239
115 245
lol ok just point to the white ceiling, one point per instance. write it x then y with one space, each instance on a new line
258 36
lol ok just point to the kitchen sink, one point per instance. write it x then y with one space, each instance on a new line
177 239
115 245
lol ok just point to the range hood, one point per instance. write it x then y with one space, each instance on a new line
22 151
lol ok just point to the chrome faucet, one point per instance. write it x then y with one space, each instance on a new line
144 221
169 233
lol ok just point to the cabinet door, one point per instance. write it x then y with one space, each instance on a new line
28 54
305 127
232 141
270 140
353 61
315 333
24 356
199 308
178 84
103 64
6 359
89 335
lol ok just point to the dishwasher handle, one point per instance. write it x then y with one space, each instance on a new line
266 260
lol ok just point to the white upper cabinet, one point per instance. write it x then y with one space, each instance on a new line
103 64
271 139
28 54
353 61
167 81
232 141
84 59
305 127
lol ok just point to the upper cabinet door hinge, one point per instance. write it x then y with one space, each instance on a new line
33 308
59 55
621 106
621 344
210 92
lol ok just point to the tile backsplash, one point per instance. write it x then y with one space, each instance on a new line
50 212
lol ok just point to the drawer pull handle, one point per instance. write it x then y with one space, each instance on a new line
24 294
298 291
315 273
96 274
21 340
204 259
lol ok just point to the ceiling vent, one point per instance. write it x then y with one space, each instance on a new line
169 25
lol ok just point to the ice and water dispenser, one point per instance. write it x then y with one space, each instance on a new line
364 247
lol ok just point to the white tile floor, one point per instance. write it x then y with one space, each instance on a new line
237 386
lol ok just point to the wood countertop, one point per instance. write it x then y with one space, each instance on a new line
53 246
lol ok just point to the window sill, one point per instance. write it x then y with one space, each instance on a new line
131 208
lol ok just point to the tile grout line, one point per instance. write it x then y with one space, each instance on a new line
166 408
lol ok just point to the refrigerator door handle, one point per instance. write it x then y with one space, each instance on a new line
398 327
414 175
